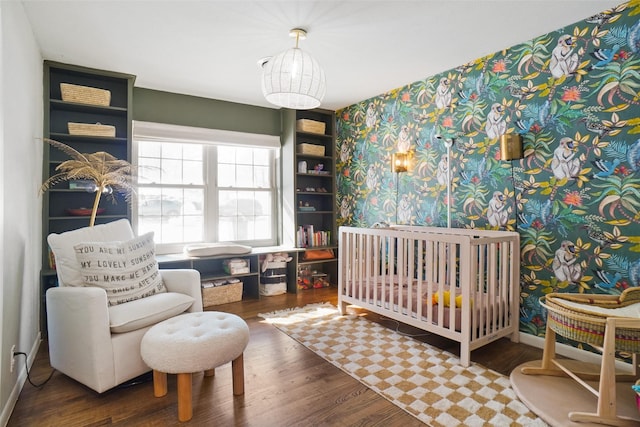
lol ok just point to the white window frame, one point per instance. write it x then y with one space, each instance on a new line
162 132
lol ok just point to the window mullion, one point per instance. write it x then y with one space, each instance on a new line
211 194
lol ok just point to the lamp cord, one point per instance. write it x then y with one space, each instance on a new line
26 366
397 194
448 145
515 198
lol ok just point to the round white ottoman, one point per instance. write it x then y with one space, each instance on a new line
194 342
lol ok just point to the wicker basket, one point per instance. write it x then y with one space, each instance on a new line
316 150
586 326
89 129
312 126
85 94
224 294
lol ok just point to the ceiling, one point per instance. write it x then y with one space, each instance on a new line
211 48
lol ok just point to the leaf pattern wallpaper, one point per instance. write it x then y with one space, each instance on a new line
573 96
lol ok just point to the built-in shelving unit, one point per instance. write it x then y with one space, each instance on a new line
212 268
62 200
314 186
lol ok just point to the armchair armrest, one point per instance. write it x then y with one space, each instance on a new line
79 336
184 281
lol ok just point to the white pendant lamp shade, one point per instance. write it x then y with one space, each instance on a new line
293 79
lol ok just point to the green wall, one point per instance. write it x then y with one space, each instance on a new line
172 108
572 94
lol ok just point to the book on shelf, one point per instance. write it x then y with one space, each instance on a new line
307 237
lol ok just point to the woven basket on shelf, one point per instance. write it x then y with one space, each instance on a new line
90 129
223 294
316 150
312 126
587 326
85 94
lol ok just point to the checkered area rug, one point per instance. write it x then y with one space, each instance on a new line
423 380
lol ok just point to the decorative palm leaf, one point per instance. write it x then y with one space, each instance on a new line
107 173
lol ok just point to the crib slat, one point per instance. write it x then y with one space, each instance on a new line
400 272
430 277
420 274
411 276
487 293
442 277
493 286
358 244
375 269
465 274
453 266
502 280
475 288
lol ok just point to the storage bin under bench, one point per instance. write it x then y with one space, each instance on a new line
221 293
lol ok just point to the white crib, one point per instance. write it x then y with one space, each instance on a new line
411 273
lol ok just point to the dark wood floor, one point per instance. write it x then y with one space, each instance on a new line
285 385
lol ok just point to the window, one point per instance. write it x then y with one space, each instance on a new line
198 189
245 194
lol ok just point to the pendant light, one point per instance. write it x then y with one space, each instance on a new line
293 78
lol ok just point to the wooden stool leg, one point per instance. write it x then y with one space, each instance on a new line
159 383
237 368
185 411
210 372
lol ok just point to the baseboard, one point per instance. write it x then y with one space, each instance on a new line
571 352
20 380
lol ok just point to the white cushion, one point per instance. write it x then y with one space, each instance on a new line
148 311
62 244
631 311
127 270
194 342
213 249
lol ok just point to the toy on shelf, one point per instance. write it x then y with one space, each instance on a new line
308 278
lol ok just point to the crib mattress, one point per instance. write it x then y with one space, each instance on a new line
380 294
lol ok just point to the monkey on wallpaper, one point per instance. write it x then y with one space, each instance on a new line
344 153
565 265
443 170
404 210
372 116
344 208
404 140
496 124
443 94
496 213
563 60
564 163
372 177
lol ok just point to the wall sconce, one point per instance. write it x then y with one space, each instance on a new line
511 146
399 162
511 149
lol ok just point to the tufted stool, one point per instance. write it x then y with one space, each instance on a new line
194 342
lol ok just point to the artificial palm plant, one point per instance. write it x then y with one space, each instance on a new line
107 173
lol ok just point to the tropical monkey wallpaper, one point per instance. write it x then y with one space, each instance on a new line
573 96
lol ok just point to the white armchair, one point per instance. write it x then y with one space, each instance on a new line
96 344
